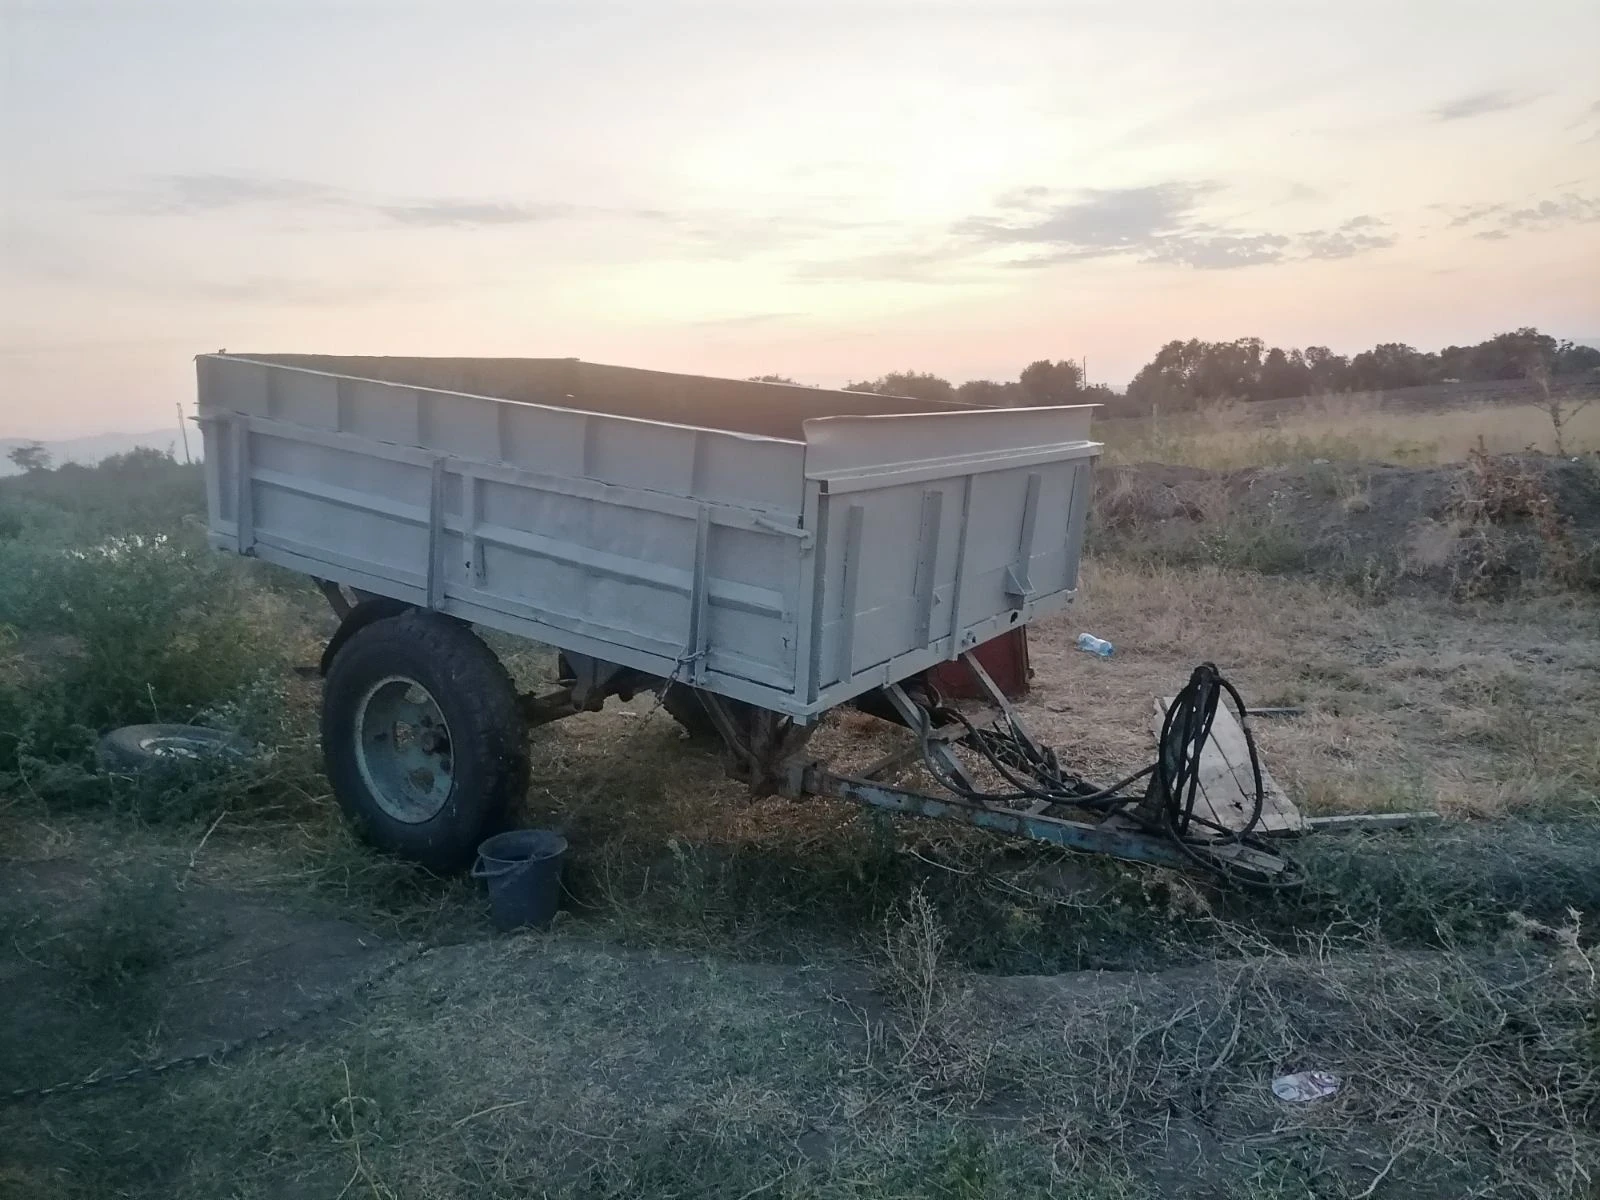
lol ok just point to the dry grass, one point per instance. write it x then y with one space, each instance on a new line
1492 493
1473 709
1341 428
1461 1075
554 1066
762 997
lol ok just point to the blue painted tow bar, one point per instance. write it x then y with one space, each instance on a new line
1120 841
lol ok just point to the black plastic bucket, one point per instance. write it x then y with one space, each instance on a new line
523 870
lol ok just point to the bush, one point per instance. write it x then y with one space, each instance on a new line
114 612
134 628
141 491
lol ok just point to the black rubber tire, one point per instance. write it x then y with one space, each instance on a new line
143 747
489 741
682 703
684 707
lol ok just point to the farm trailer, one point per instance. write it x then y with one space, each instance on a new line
757 554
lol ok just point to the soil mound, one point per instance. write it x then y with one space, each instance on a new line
1490 526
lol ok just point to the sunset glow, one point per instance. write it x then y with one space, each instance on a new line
829 192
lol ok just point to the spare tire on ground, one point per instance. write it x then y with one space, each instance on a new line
140 747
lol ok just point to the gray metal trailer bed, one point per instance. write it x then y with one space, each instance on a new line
758 553
783 546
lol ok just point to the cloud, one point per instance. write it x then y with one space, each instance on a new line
1480 104
698 234
1358 235
944 263
1570 209
1477 212
1587 117
1036 227
1498 221
1027 227
216 193
210 192
1031 197
456 213
1157 223
1221 251
1096 222
1338 244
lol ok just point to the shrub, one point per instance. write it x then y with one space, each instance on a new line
140 628
141 491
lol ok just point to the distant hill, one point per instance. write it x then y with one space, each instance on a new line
90 450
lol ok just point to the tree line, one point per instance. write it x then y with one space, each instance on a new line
34 458
1186 373
1041 383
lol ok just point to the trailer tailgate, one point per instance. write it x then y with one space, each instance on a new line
937 531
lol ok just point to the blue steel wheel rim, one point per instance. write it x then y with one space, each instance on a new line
403 750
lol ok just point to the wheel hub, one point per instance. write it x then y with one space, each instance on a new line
402 746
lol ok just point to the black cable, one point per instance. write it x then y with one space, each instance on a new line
1036 774
993 745
1183 736
1187 728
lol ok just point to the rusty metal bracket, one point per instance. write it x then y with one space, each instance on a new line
763 744
999 700
540 708
592 680
920 722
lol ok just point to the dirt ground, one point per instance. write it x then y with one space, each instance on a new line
559 1065
243 966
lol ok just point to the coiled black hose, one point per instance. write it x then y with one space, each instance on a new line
1036 774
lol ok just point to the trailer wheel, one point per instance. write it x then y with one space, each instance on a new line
422 738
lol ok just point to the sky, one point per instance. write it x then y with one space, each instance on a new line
827 191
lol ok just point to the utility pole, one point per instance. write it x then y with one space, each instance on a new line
183 431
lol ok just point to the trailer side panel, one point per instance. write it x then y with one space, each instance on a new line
672 550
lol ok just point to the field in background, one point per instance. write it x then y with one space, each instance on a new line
770 998
1346 429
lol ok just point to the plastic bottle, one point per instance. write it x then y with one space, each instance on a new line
1089 644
